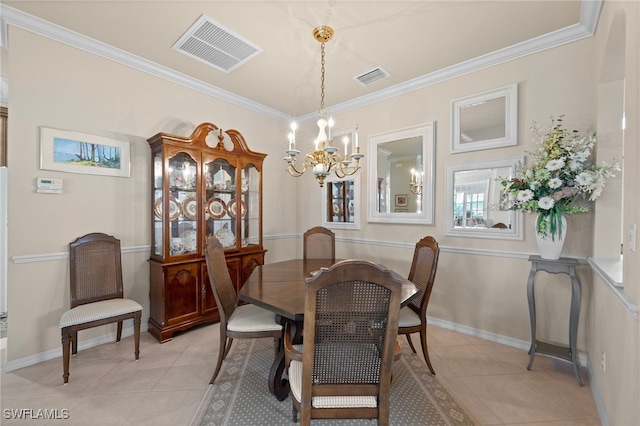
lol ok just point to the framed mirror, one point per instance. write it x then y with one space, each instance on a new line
474 193
486 120
401 175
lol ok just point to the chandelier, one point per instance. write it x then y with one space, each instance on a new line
416 181
325 157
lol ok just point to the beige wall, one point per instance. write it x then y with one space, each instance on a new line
613 331
58 86
79 91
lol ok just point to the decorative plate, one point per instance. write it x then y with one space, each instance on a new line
190 208
216 208
337 209
351 208
174 208
233 207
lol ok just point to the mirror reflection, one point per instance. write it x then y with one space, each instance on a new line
398 161
486 120
482 121
401 179
474 195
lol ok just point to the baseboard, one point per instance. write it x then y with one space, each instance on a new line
16 364
583 359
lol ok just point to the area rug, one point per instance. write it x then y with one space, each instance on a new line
240 395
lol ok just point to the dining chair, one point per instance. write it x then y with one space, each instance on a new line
236 321
413 317
319 243
97 293
343 367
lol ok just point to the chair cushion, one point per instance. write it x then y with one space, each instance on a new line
246 318
295 381
98 310
408 318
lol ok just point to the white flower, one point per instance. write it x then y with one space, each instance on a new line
555 183
534 185
554 165
574 165
524 195
546 203
584 179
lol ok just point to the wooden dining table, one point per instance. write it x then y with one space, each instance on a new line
280 287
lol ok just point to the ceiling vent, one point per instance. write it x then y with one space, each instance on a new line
210 42
372 76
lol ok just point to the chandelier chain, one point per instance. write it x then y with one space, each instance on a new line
322 62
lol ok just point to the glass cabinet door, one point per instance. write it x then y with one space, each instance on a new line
182 205
250 196
158 185
220 201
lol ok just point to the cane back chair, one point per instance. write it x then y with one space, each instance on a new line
350 328
236 322
97 293
413 317
319 243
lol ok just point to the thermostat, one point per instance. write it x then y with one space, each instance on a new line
49 186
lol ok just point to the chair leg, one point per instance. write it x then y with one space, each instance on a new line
226 352
66 345
119 332
136 333
410 343
425 351
222 353
74 342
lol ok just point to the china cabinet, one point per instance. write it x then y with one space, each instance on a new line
209 183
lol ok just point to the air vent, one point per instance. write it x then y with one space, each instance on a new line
372 76
210 42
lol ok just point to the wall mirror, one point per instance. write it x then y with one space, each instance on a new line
485 120
473 200
401 176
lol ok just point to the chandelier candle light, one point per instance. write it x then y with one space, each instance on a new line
416 181
325 157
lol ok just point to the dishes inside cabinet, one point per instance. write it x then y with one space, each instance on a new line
232 208
216 208
351 207
190 208
337 208
225 236
175 208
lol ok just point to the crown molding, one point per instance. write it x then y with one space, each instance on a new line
589 15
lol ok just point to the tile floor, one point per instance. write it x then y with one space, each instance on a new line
166 386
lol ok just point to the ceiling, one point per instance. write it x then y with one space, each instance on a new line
416 42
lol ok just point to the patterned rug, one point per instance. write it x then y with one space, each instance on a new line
240 395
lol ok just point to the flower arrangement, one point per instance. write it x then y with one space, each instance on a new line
560 174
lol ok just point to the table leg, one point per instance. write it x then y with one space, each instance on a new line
279 385
532 316
574 315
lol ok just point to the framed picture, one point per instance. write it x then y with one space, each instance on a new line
74 152
402 200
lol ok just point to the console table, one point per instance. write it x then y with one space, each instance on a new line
561 266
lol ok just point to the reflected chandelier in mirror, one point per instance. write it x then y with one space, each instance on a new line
402 158
474 192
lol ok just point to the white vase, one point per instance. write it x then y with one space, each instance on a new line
548 247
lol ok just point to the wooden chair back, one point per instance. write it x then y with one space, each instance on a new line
95 269
319 243
423 271
350 329
220 280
